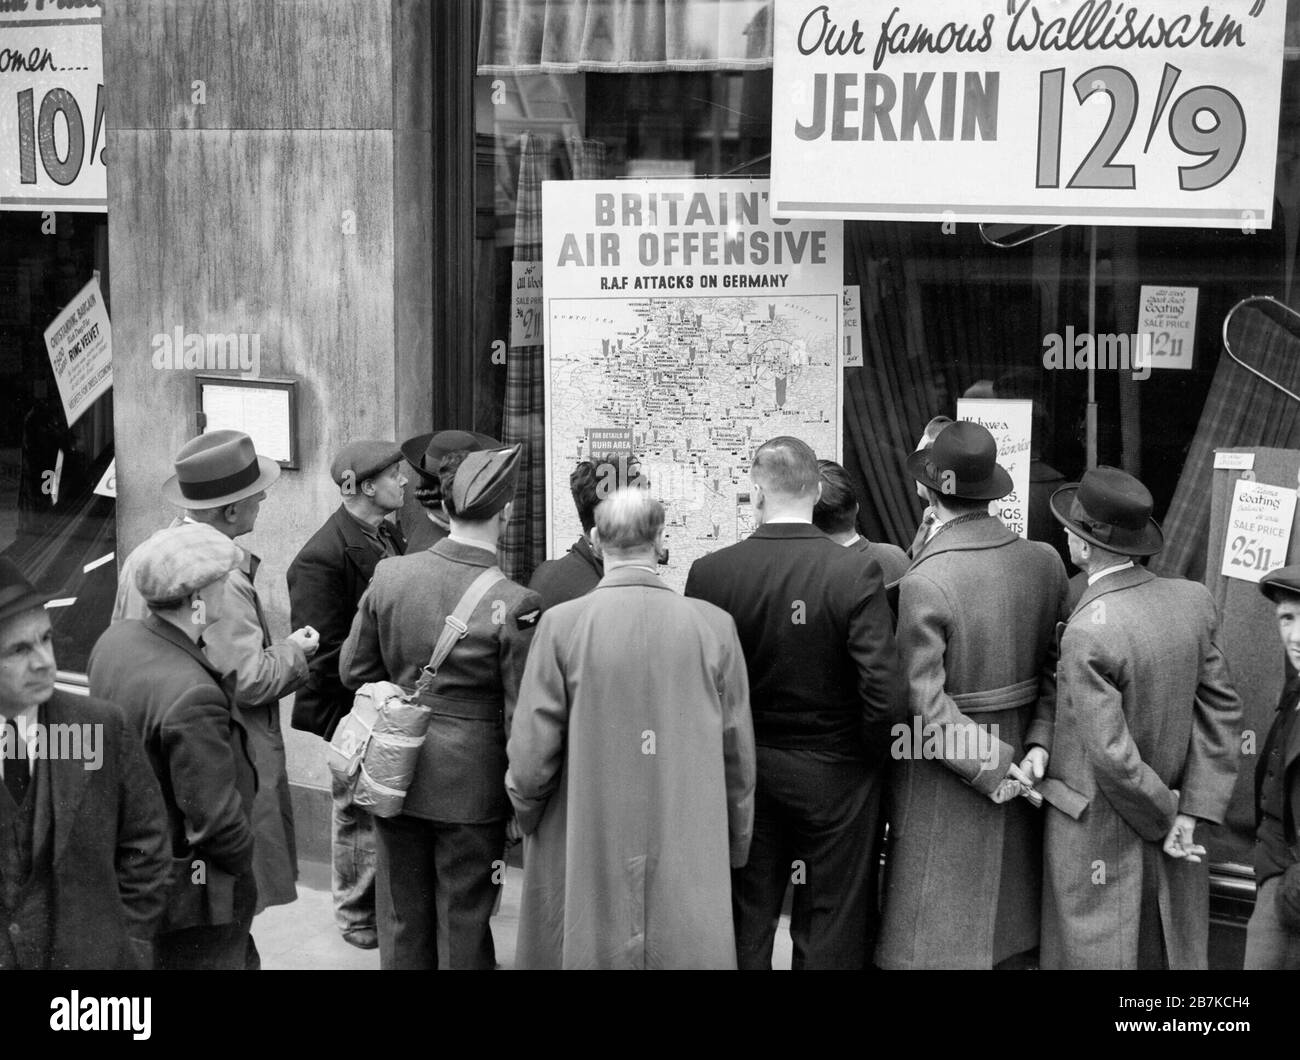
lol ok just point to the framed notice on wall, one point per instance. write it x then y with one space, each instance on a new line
264 409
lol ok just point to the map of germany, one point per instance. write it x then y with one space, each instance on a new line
695 383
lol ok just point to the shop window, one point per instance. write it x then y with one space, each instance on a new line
53 524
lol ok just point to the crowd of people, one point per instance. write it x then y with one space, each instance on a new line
1030 756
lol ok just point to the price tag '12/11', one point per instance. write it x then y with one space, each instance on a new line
1259 530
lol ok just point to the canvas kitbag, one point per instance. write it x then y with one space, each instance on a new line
376 748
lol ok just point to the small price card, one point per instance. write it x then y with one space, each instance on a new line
1259 530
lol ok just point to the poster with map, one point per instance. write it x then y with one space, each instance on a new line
686 326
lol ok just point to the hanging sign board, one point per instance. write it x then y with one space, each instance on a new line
52 134
1028 111
852 327
685 323
1168 315
1259 530
80 345
1011 423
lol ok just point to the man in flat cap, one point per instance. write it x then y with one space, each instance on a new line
424 522
221 482
1273 934
326 580
183 709
977 614
577 572
435 889
85 861
1146 746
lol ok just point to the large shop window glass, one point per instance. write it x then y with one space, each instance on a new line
53 524
587 89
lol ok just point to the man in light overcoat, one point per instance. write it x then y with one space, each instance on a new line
977 618
1147 743
632 766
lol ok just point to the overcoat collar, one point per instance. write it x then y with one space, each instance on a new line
1113 583
174 636
971 535
357 548
67 782
621 577
468 554
583 550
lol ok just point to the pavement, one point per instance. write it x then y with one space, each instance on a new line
302 935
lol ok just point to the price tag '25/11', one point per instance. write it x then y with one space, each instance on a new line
1259 530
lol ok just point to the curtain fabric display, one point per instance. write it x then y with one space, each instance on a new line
542 158
643 36
1240 410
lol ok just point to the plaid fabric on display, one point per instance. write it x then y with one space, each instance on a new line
523 545
1240 410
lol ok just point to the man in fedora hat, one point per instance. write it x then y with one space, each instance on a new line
1146 745
823 685
182 708
977 617
326 580
435 886
84 858
424 521
221 482
1273 934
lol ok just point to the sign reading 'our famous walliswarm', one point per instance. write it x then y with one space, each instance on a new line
1157 112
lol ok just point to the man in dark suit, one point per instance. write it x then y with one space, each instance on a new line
1273 934
577 572
326 580
84 864
836 516
823 678
184 711
436 882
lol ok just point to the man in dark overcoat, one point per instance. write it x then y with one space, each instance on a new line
823 681
85 863
184 712
1147 742
440 860
977 618
326 580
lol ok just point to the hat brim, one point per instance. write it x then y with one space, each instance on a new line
413 450
24 603
267 473
1151 541
993 488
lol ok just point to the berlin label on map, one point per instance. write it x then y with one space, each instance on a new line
685 326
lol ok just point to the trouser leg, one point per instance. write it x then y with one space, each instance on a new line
405 891
1270 944
758 888
352 848
467 856
833 824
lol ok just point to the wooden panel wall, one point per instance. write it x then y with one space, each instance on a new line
293 203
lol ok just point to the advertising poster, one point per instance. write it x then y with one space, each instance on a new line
1168 315
52 134
687 325
1010 423
1162 112
1259 530
80 345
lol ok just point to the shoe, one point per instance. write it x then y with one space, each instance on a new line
362 938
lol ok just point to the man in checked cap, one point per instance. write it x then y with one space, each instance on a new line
436 883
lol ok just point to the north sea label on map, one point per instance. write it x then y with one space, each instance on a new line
684 322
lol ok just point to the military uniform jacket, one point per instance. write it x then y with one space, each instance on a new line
460 778
1144 706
